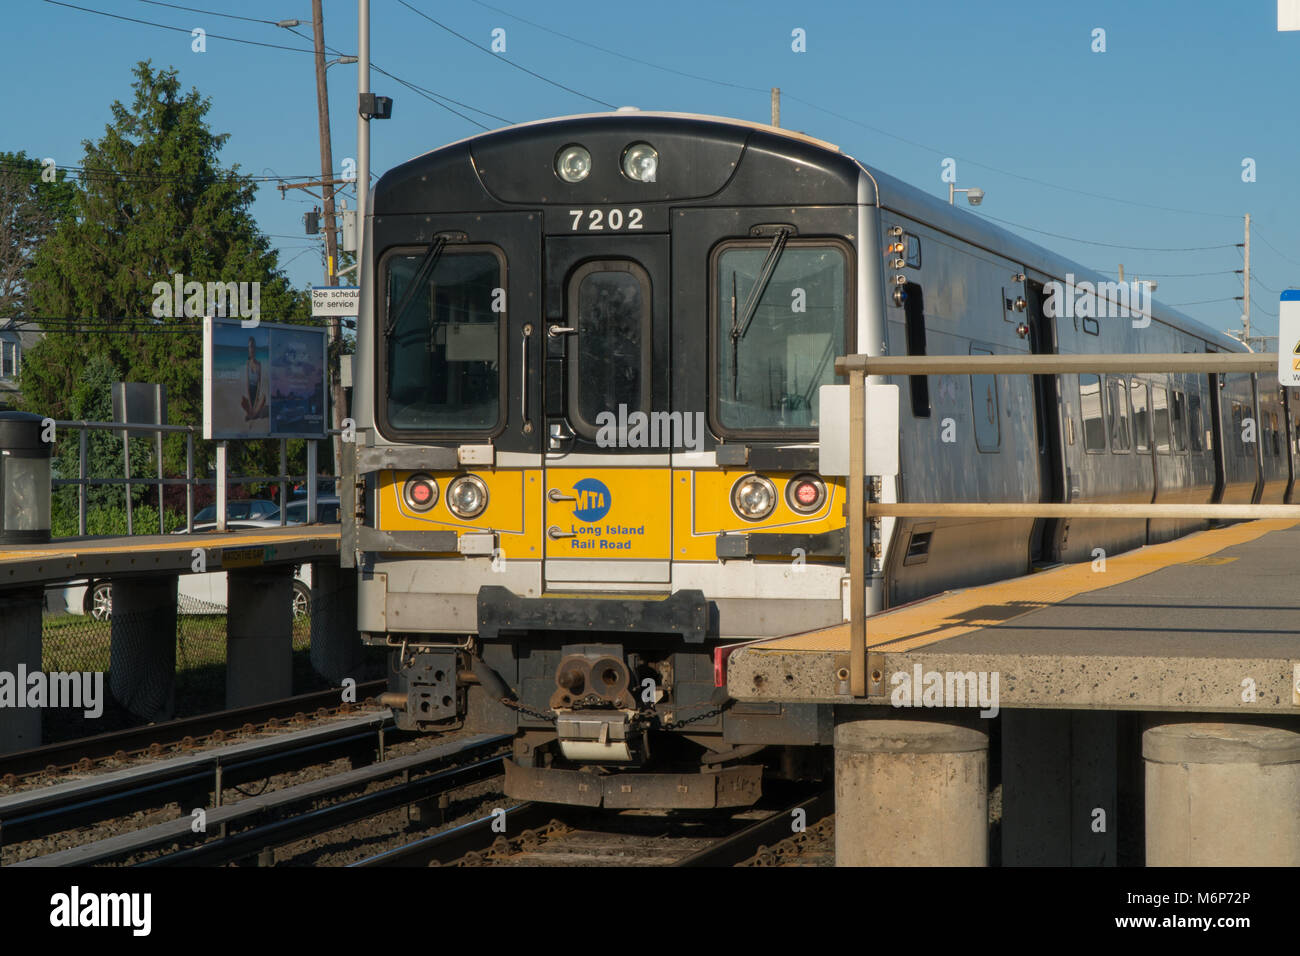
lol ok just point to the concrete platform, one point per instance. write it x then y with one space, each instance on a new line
169 553
1207 623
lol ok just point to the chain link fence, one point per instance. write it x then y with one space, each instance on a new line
142 677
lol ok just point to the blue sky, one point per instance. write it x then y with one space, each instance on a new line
1062 139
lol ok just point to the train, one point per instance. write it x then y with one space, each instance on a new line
589 364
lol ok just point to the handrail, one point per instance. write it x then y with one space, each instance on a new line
190 481
860 512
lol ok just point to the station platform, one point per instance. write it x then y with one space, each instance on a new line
28 565
1206 623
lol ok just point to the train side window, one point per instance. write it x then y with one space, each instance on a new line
1238 417
1178 420
1141 416
1277 436
1160 418
1121 440
984 408
1094 428
1196 422
914 317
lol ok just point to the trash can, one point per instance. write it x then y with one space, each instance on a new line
24 479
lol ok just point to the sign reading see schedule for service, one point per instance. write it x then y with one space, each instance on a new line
1288 338
267 381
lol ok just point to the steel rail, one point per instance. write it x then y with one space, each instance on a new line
263 811
70 753
742 845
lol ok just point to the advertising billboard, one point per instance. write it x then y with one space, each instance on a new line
263 382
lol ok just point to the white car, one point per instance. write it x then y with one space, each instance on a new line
195 593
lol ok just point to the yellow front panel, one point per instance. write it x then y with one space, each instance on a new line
616 513
513 511
702 510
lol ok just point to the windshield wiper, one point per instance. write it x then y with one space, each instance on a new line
740 324
423 272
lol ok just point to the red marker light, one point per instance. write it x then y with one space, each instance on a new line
806 493
420 493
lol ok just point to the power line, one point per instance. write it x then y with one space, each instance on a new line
88 174
163 26
848 119
1275 248
1179 305
1110 245
544 79
1169 275
211 13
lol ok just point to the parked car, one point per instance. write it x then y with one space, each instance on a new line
327 511
195 593
244 510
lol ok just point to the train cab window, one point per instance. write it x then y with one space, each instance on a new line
1121 440
609 359
775 346
1277 435
985 408
1094 428
914 322
1178 419
1141 416
1160 418
443 343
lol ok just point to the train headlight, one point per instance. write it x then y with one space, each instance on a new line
573 164
805 494
467 496
641 162
753 497
420 492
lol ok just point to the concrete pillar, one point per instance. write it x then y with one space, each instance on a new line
335 642
259 635
1222 794
20 648
909 792
142 651
1059 788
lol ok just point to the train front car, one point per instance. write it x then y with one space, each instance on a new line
587 381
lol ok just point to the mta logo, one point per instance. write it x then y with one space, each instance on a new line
593 500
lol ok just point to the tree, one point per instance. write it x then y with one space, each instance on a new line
33 200
154 203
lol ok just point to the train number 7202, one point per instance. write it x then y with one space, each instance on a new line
593 220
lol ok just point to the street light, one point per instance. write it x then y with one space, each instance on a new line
341 59
974 195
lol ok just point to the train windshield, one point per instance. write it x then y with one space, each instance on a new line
767 374
443 341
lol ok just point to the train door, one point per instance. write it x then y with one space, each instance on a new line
609 439
1047 417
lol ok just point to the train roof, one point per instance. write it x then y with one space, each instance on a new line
897 196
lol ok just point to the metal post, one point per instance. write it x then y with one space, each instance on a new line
363 126
189 482
1246 276
126 454
857 535
221 486
776 106
81 488
284 484
312 452
158 448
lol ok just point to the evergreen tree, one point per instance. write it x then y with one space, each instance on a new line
154 202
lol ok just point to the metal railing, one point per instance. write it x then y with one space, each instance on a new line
83 482
861 511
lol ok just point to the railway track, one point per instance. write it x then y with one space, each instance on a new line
253 827
533 834
154 740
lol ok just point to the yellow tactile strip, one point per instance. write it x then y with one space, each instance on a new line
208 540
961 612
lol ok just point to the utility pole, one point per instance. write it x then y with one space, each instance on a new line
776 106
337 399
1121 272
1246 316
